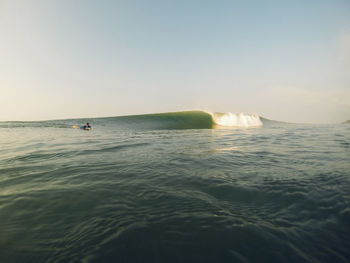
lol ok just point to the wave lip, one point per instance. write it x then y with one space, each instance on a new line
239 120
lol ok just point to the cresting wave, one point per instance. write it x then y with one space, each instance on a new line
158 121
191 120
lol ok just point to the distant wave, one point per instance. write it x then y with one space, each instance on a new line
194 120
158 121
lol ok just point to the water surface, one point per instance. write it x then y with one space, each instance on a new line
136 189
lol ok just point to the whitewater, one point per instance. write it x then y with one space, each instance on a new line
240 120
192 186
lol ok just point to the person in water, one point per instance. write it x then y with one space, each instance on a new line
87 126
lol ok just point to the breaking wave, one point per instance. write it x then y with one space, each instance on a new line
157 121
191 120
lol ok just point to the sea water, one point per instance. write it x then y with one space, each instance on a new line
171 188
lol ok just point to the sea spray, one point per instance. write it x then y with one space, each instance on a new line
240 120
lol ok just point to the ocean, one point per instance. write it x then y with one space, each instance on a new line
174 187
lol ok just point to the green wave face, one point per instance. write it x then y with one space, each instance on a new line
190 120
172 120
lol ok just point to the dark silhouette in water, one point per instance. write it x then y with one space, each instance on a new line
87 126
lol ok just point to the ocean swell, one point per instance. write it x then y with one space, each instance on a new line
193 120
157 121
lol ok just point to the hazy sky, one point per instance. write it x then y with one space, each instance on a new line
285 60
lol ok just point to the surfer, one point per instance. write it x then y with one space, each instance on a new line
87 126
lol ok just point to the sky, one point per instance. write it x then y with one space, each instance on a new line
283 60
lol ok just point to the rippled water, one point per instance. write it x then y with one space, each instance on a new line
279 193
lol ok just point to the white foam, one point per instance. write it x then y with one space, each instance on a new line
236 120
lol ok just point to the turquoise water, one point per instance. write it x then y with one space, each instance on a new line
174 188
